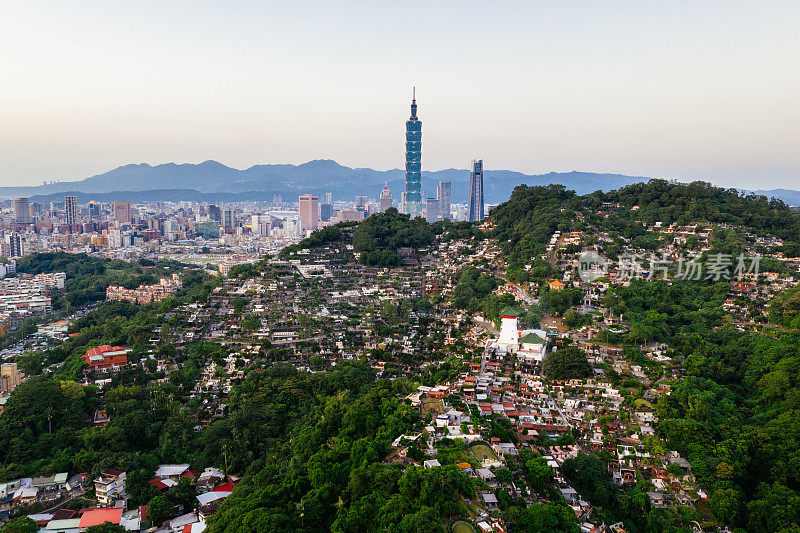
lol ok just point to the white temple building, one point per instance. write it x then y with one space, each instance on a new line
529 344
509 334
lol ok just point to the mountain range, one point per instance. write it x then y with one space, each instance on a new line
212 181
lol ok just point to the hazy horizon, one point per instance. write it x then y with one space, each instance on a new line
681 91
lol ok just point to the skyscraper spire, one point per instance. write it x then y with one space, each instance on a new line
413 196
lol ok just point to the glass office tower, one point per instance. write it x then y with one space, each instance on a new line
413 196
476 191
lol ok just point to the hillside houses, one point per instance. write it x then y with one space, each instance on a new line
145 294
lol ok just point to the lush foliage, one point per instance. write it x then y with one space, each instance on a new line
668 202
566 363
735 418
21 525
378 237
321 237
474 292
680 314
527 221
734 415
313 447
88 277
784 309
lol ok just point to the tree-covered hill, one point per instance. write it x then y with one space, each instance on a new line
89 277
733 411
312 448
526 222
685 203
376 239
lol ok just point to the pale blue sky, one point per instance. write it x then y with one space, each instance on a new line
683 90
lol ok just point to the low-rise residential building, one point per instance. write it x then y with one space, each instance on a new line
110 486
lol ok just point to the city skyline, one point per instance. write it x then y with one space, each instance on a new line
690 92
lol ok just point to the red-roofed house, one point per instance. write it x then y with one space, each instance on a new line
106 358
95 517
227 487
190 474
158 484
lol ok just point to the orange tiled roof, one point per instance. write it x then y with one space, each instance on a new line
95 517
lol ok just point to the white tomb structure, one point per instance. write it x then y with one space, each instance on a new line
530 344
509 334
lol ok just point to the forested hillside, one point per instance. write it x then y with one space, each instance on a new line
88 277
526 222
668 202
734 412
313 448
377 238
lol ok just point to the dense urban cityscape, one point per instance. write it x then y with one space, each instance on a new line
532 366
455 332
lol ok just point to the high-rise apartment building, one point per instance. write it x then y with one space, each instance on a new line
22 210
349 215
260 224
13 245
443 195
413 198
476 191
386 198
71 209
94 210
208 229
228 217
432 210
328 197
309 212
122 212
325 211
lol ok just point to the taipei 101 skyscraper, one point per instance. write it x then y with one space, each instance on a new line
413 197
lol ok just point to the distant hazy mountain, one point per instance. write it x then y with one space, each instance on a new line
788 196
213 181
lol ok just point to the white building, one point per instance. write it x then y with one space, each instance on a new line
509 334
110 486
532 345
